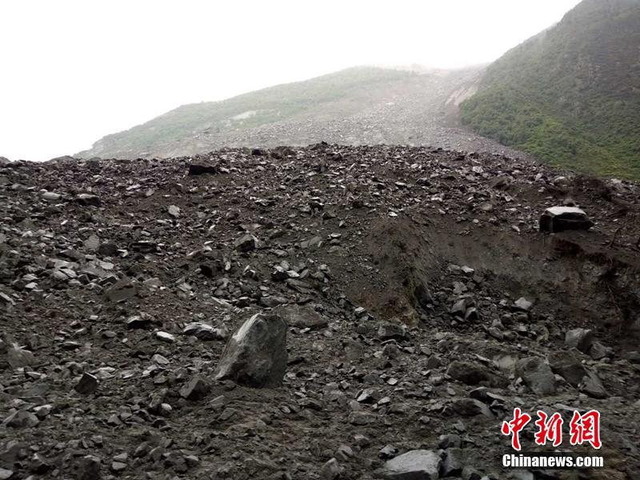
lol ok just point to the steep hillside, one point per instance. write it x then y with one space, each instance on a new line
570 95
362 105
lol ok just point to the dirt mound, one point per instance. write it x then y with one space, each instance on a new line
425 293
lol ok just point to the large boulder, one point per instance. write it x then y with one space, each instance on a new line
256 355
568 364
558 219
413 465
537 375
579 338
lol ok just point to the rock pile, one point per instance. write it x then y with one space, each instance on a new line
394 305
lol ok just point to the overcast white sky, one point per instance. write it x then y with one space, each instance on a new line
72 71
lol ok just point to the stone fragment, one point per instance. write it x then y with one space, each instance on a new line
165 337
470 407
142 320
121 291
195 169
558 219
592 385
247 243
89 468
523 304
256 355
88 199
452 463
18 357
330 470
469 373
21 419
204 331
302 317
196 389
537 375
174 211
580 338
51 196
388 331
598 351
413 465
87 384
568 364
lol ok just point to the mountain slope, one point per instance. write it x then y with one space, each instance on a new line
570 95
362 105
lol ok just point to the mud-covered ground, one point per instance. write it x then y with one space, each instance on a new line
425 297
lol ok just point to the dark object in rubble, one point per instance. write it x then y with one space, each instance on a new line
256 355
559 219
202 169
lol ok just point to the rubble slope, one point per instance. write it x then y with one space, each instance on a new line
417 290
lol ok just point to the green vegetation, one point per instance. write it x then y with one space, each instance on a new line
570 95
335 95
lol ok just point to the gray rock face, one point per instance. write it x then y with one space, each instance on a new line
413 465
537 375
256 355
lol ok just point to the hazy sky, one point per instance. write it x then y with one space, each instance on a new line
74 71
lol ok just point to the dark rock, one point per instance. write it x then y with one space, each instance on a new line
121 291
568 364
246 243
87 384
470 407
204 331
592 385
452 463
142 320
88 199
256 355
469 373
579 338
196 389
89 468
537 375
195 169
558 219
598 351
21 419
388 331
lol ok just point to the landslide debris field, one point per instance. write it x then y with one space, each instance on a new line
422 305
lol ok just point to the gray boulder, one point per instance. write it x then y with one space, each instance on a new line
568 364
302 317
579 338
537 375
558 219
413 465
256 355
